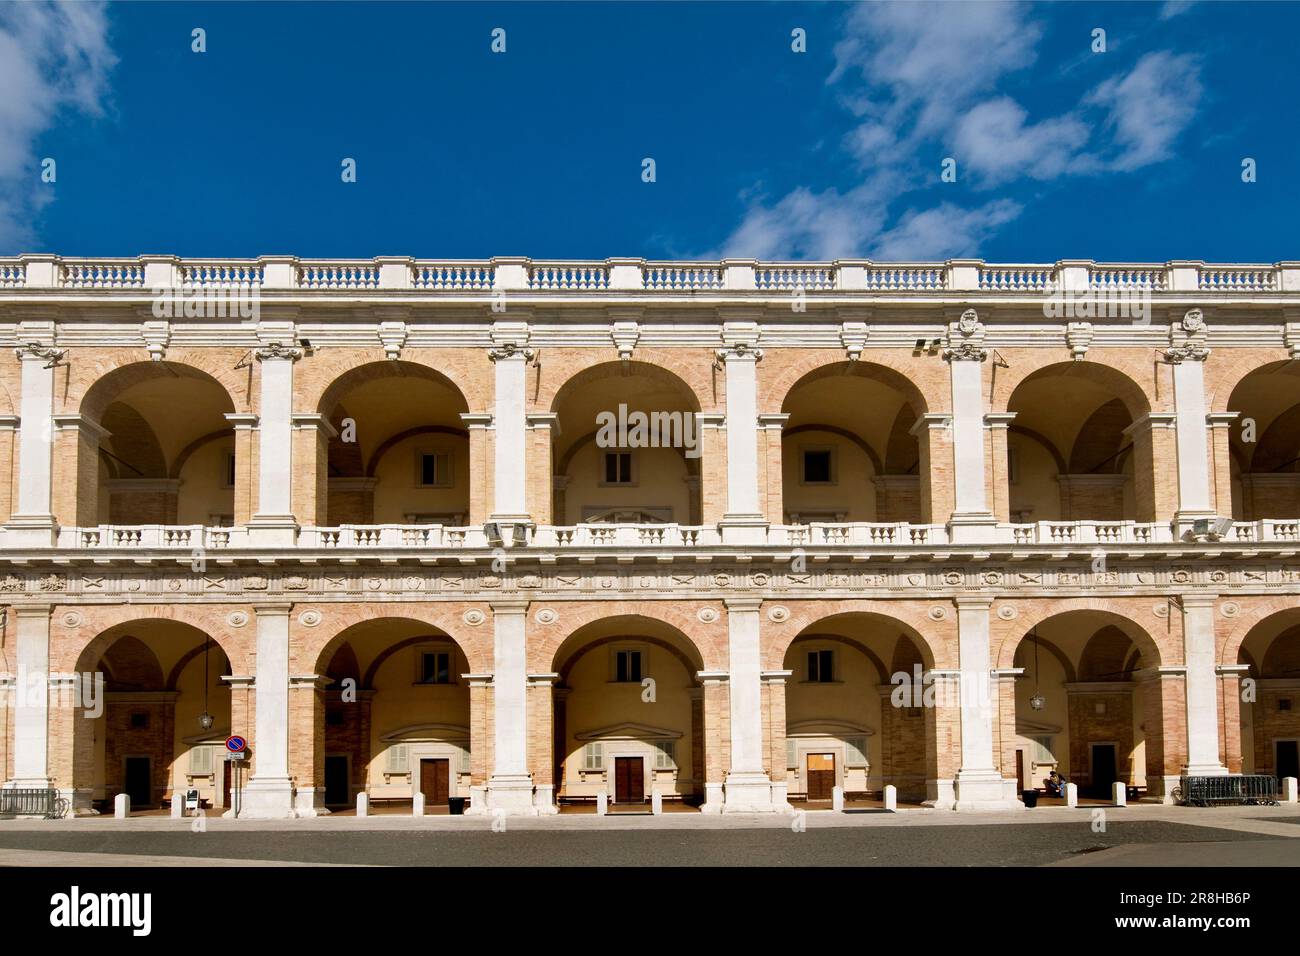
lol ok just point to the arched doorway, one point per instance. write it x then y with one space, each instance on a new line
1264 443
1269 701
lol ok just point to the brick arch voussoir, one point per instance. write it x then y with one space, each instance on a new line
937 640
92 638
1136 613
695 377
709 640
776 391
1224 381
315 646
1231 633
94 383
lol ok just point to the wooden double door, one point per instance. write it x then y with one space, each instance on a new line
435 781
629 780
821 776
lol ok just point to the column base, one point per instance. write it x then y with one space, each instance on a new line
266 799
747 792
1161 790
544 800
984 790
940 794
971 526
511 795
712 798
743 529
272 531
310 802
1205 770
31 531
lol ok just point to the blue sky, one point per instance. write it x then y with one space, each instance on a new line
1131 154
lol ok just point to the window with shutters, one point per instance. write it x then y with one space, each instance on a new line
628 667
433 469
399 758
618 468
435 667
201 759
665 754
855 751
593 757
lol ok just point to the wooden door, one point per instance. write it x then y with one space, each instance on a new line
1020 770
139 785
629 780
435 781
225 783
821 776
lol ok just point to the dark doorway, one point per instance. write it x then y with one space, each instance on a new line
435 781
1020 770
629 780
1288 759
821 776
338 789
139 783
225 783
1104 769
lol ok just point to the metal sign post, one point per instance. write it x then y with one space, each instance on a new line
237 751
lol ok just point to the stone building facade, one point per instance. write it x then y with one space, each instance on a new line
736 533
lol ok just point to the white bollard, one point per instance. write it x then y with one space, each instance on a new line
178 805
1071 794
891 797
417 805
1288 789
121 806
656 802
363 804
1121 794
837 798
602 804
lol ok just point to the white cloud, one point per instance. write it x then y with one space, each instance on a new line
1149 107
993 141
1172 8
944 231
52 57
808 225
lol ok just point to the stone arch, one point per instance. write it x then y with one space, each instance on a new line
935 640
319 645
887 368
564 649
881 668
102 622
1137 400
1276 611
1036 613
1241 366
375 371
685 369
106 384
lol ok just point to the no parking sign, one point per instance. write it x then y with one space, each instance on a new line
236 745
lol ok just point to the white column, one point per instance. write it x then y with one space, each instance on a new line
744 522
1202 686
32 522
274 525
269 793
747 787
31 713
971 517
979 785
1191 438
510 786
509 420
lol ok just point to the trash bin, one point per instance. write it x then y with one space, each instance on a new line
456 805
1030 797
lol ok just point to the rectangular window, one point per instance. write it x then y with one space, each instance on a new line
1013 466
627 666
140 720
618 468
821 666
855 751
1043 750
228 475
399 758
592 758
463 763
433 470
791 754
664 754
817 467
435 667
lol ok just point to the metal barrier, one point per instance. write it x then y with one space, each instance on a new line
32 802
1228 790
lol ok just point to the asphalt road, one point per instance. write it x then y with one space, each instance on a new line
1002 845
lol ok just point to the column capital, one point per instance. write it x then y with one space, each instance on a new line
312 420
74 421
508 607
241 420
1197 600
995 420
974 602
739 352
474 420
272 610
742 604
